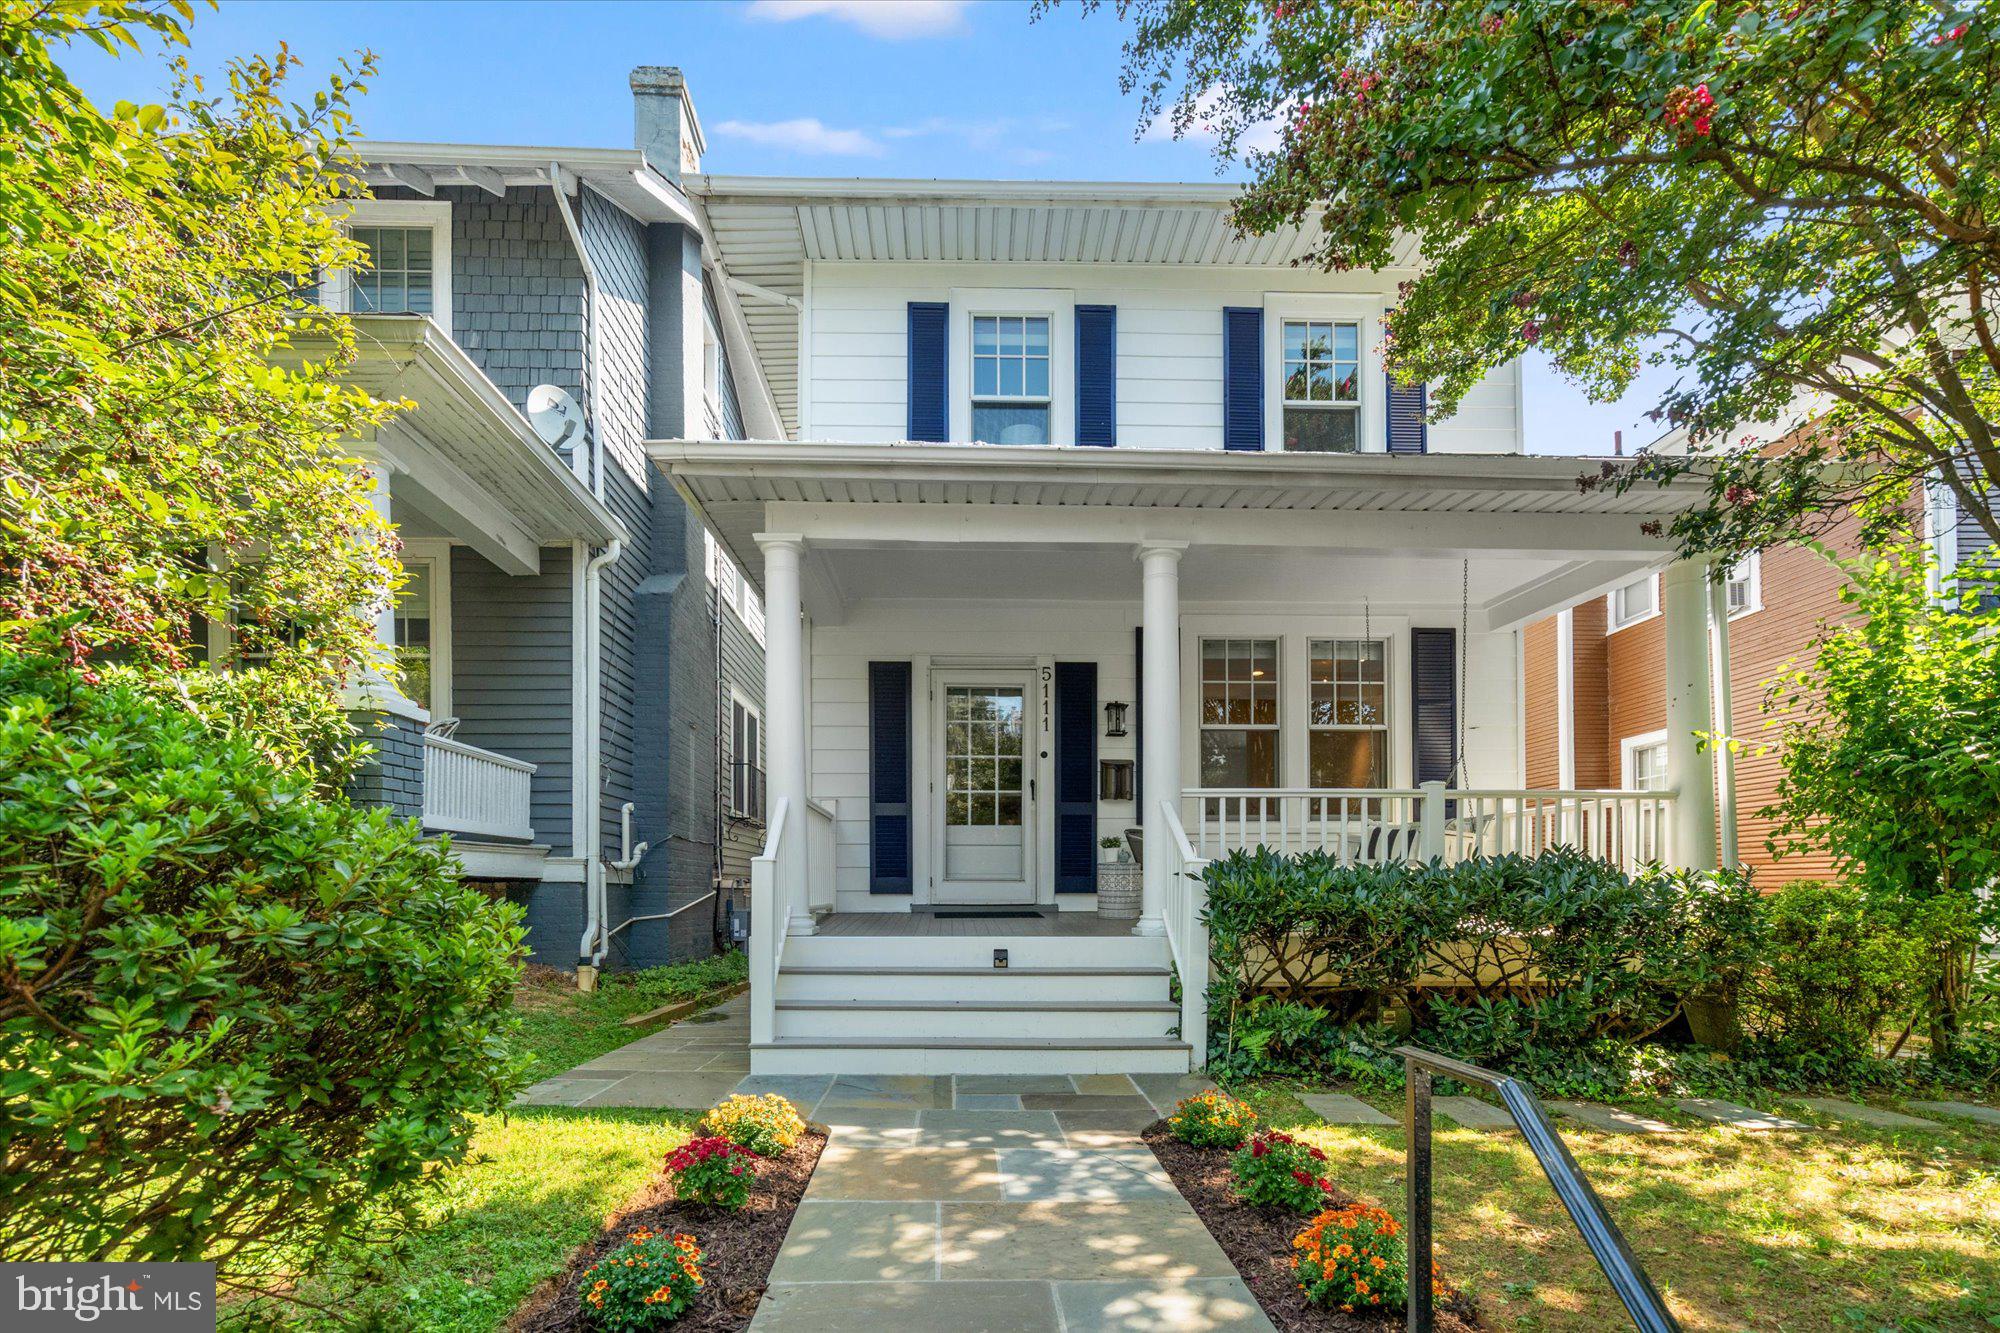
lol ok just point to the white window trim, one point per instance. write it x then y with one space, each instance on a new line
437 554
1612 624
1626 749
1059 306
1362 310
1753 599
738 699
335 292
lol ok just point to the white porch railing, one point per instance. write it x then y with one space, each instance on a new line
819 856
767 923
1374 825
1187 934
475 792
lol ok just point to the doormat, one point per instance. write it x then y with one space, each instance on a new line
988 914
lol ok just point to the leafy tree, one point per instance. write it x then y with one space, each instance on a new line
1797 203
164 459
1892 764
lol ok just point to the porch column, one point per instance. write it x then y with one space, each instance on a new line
1725 721
785 717
1161 669
1689 771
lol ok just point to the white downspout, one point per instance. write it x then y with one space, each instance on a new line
593 746
590 308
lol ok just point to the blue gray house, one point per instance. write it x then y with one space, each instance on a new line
582 697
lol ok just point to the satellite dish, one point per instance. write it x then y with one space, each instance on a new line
554 415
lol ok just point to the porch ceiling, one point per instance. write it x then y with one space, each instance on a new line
466 456
1274 527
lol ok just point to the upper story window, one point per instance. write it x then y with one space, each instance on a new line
1744 591
406 264
1635 601
1239 712
1010 379
1322 383
731 588
399 276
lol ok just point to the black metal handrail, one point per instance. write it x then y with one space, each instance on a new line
1607 1244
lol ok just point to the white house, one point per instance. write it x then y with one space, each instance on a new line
1053 452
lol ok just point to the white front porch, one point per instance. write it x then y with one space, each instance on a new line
1163 577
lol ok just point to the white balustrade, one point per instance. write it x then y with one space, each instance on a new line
1376 825
819 857
1187 933
767 923
475 792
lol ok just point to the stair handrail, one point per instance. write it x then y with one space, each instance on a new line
1607 1243
767 924
1187 930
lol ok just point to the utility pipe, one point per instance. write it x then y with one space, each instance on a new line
593 743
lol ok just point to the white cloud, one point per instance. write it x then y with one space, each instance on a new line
893 19
1262 136
804 135
1010 138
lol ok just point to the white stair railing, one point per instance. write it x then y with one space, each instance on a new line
475 792
767 924
1372 825
1187 933
819 856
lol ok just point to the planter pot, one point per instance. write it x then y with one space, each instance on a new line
1118 892
1713 1021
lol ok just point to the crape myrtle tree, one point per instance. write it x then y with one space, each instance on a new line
164 460
1793 205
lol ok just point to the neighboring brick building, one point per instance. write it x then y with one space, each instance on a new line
1779 599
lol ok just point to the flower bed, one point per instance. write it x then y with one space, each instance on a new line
1258 1240
737 1247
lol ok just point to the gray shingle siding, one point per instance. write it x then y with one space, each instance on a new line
511 646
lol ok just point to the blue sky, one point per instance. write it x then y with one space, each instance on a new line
785 87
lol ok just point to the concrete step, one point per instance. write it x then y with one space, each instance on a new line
1023 951
801 982
888 1020
1160 1055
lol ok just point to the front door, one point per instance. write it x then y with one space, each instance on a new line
985 802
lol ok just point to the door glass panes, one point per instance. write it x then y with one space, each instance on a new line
983 761
1010 379
1239 712
396 277
413 631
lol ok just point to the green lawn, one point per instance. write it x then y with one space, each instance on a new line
540 1182
1847 1228
562 1027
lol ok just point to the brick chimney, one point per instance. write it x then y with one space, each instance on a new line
664 126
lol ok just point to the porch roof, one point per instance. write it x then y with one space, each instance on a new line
1549 541
466 456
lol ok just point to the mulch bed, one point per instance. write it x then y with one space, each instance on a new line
1259 1242
738 1248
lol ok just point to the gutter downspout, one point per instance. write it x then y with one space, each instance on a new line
593 749
590 361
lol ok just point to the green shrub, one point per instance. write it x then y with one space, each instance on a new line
1835 970
229 1010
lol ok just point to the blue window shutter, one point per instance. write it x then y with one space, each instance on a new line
888 777
1434 699
1097 374
1076 777
1242 377
1409 433
930 338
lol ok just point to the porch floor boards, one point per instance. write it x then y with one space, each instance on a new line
909 925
